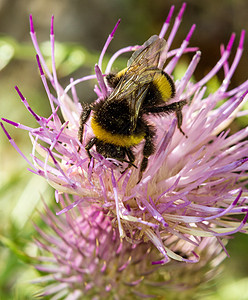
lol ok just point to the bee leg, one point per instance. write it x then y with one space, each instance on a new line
177 107
89 145
180 116
83 119
167 109
131 158
148 149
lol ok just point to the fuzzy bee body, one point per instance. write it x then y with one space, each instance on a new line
118 122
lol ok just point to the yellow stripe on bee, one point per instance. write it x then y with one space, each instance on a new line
163 85
115 139
121 73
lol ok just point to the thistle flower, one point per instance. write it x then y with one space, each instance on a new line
193 187
83 257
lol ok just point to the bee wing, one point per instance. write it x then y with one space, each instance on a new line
137 98
135 82
140 65
150 50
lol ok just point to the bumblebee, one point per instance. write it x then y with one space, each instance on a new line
118 122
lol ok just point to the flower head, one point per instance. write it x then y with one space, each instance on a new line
82 255
193 186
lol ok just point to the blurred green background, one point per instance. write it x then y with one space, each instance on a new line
81 28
